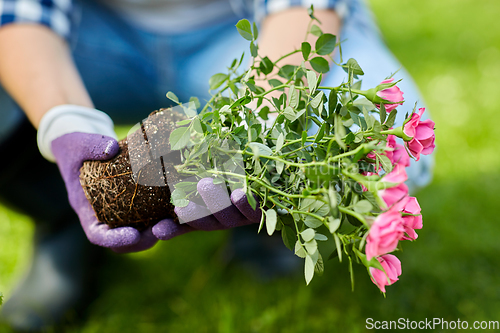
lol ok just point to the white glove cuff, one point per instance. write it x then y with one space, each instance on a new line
64 119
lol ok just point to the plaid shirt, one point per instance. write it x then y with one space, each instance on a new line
57 14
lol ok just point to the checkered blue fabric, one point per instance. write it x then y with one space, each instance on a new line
54 14
263 8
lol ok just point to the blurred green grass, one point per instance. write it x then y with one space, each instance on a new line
452 49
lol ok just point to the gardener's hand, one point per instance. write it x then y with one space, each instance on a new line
221 212
70 135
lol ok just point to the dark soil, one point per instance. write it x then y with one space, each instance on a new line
122 195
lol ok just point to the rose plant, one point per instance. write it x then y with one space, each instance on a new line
316 177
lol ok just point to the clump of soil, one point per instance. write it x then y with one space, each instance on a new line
132 189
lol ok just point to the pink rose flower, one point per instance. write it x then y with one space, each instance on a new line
392 267
400 156
384 234
394 195
391 143
422 134
392 94
410 223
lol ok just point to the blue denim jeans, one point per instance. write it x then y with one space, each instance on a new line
128 71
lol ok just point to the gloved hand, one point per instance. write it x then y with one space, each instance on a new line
70 135
221 212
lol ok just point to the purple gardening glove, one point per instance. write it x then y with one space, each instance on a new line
70 151
70 134
221 212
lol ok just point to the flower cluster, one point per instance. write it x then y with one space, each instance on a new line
402 213
344 184
421 133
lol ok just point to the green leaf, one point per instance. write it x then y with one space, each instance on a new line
251 199
312 81
217 80
171 96
306 50
325 44
289 113
320 64
197 125
363 104
179 138
299 250
266 66
312 222
308 269
332 101
391 119
332 197
245 29
241 101
178 198
316 31
280 166
363 206
217 181
355 118
264 112
308 234
288 236
279 142
225 109
287 72
293 97
186 186
254 50
305 204
320 208
320 237
333 224
311 246
190 109
271 219
260 150
383 113
183 122
320 134
255 31
386 164
353 66
195 101
275 83
339 131
350 137
319 173
338 245
317 100
319 266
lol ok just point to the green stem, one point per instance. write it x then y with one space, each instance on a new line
321 218
258 181
287 55
213 98
271 90
356 215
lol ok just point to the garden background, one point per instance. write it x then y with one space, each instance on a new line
452 49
